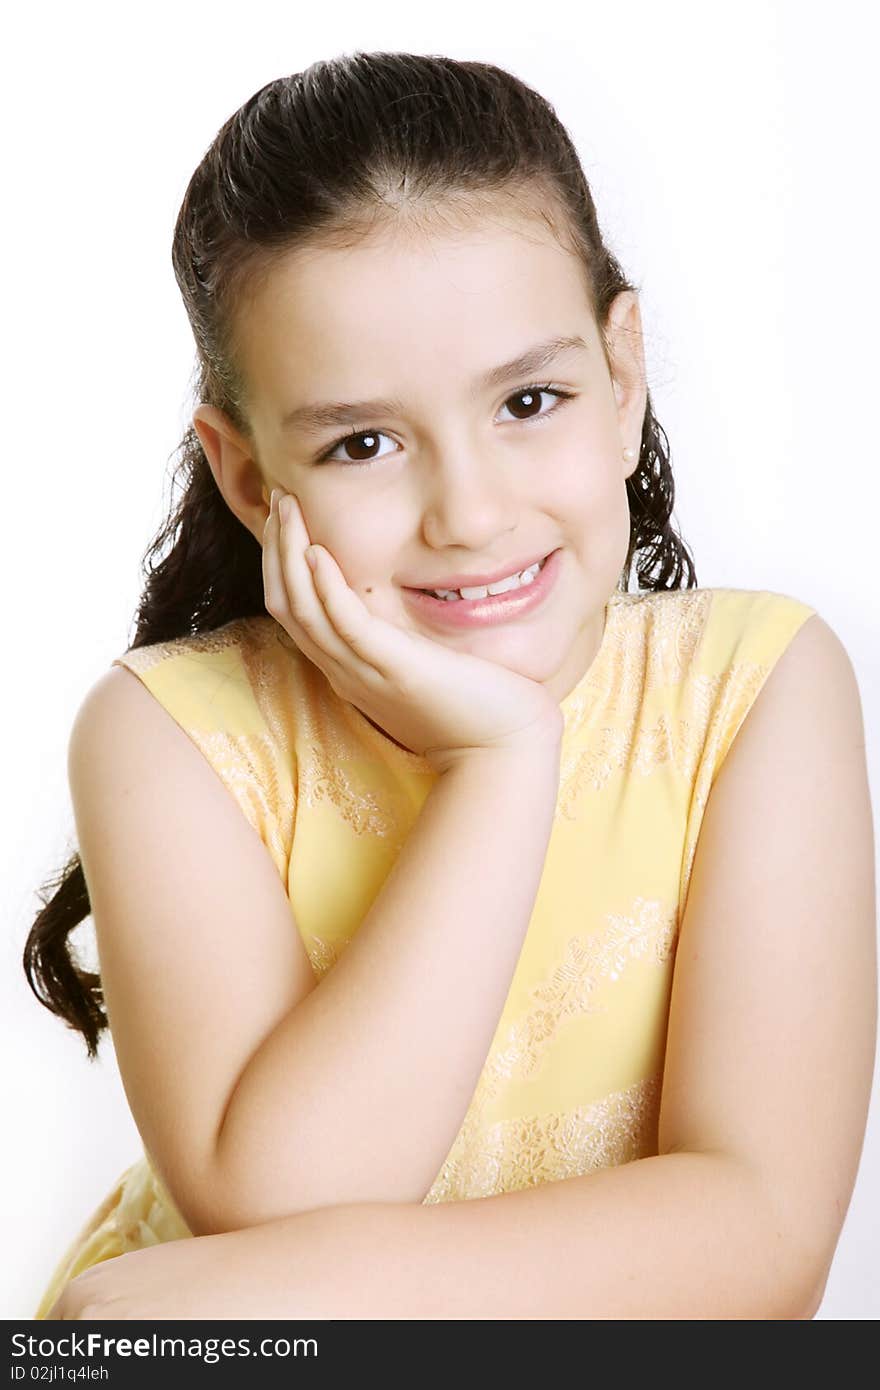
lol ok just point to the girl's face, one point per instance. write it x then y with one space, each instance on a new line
457 468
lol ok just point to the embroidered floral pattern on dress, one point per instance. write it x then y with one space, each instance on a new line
323 954
649 643
568 991
534 1149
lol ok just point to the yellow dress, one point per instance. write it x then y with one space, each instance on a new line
571 1082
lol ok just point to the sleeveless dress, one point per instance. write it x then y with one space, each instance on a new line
571 1082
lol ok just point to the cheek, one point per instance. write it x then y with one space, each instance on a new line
584 489
365 540
350 544
367 570
588 496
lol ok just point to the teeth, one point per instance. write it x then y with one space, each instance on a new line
513 581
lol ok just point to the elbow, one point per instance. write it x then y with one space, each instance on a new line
231 1216
215 1217
810 1266
805 1284
794 1253
220 1200
212 1205
202 1214
227 1200
813 1302
199 1228
189 1206
218 1209
201 1222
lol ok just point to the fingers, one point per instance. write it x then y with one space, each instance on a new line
346 624
289 588
273 583
299 617
295 598
376 644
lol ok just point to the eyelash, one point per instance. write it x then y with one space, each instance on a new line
545 389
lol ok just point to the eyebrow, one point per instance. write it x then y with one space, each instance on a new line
327 414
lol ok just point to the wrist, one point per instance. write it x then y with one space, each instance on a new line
542 746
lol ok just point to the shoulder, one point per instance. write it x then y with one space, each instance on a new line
718 644
174 691
748 639
818 648
816 643
753 624
197 688
115 695
811 694
795 779
208 683
120 721
225 705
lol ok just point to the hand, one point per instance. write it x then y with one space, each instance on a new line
257 1272
442 704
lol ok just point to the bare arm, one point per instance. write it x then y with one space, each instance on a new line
359 1092
674 1236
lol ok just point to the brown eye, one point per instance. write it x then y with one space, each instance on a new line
357 442
531 399
363 442
529 403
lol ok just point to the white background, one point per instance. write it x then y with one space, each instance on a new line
730 149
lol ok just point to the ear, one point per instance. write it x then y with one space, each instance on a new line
626 350
237 474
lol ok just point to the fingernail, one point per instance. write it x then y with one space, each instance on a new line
272 500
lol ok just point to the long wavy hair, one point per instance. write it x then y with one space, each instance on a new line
321 156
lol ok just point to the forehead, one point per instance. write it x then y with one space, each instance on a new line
475 258
405 299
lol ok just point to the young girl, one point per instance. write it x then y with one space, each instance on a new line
479 939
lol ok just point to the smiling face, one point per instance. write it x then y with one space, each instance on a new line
456 469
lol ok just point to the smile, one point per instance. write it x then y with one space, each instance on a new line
478 606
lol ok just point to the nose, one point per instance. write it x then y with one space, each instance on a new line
470 500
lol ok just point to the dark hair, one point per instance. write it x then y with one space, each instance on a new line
323 155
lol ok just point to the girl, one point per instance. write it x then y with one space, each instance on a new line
545 987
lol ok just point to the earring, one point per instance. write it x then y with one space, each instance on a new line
629 454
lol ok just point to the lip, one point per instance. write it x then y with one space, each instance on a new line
484 612
470 581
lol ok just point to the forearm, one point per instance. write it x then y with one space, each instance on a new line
679 1236
358 1094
